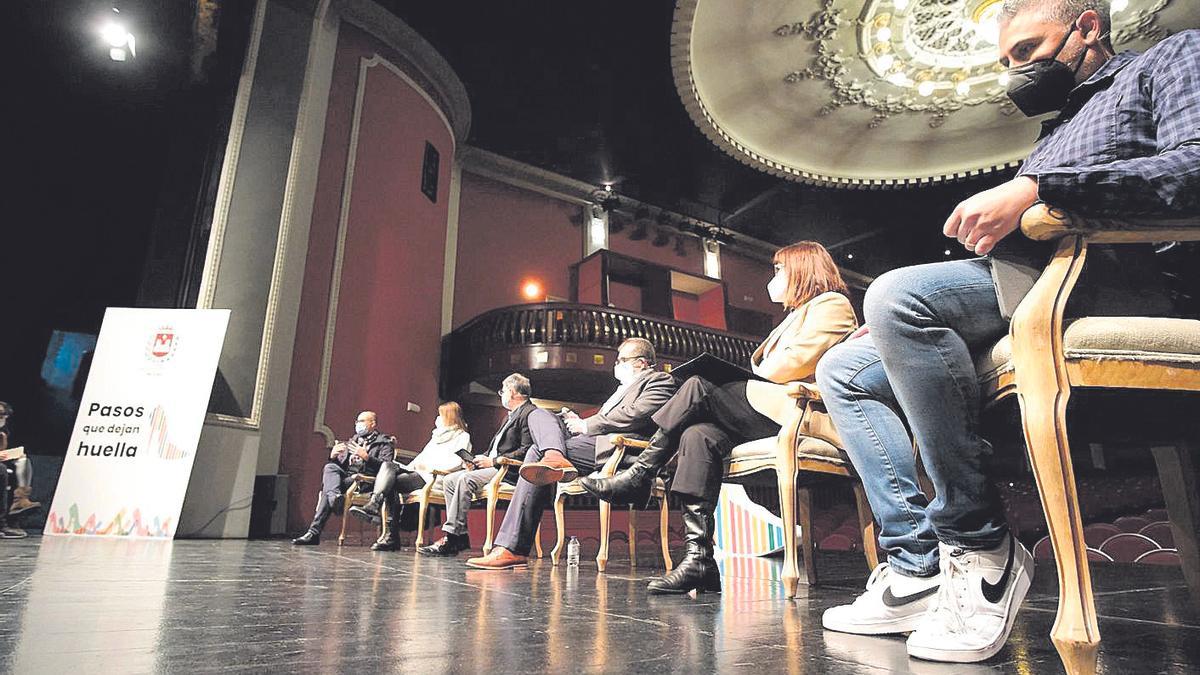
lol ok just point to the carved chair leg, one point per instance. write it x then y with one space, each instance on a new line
866 524
491 524
537 541
1177 475
806 535
350 492
785 473
632 537
605 522
664 531
1075 634
422 514
559 523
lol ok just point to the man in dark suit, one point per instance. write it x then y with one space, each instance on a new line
641 393
520 431
364 453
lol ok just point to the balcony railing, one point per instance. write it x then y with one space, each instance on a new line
568 327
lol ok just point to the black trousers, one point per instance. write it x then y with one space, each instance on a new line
705 422
393 481
335 480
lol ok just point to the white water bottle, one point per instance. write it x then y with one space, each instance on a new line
573 552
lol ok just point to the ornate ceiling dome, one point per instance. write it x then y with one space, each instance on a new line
868 93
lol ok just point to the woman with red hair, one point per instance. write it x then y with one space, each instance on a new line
703 421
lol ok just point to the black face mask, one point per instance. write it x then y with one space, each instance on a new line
1044 85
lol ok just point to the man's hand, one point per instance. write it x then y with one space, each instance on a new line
360 451
568 414
482 461
338 448
981 221
469 466
576 425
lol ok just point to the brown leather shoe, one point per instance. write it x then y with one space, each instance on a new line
499 559
554 468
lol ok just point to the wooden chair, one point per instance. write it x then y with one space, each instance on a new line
611 466
355 496
1045 357
797 459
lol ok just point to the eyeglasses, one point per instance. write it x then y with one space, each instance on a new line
627 359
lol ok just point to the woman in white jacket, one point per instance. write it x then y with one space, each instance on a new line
449 447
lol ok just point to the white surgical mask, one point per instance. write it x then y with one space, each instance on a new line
438 422
360 428
624 372
777 287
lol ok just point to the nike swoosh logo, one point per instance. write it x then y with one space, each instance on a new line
994 592
898 601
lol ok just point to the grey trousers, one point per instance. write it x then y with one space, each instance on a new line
460 489
529 501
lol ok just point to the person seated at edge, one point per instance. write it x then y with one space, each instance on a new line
7 531
449 448
703 422
1126 141
642 391
364 453
526 426
21 467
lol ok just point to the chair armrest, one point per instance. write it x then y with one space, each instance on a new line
1042 222
803 391
507 461
364 478
447 472
619 444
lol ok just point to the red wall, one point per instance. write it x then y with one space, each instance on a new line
507 235
692 263
386 345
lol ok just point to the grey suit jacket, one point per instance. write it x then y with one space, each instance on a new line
632 415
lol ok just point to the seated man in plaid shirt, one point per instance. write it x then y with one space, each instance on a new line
1126 141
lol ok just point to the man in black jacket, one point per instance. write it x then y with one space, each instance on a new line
513 440
364 453
641 393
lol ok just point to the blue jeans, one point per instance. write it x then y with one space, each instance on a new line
915 368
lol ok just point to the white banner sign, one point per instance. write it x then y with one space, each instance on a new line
131 453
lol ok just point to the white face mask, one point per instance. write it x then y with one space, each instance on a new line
438 422
624 372
777 287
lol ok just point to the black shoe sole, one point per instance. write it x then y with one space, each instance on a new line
363 515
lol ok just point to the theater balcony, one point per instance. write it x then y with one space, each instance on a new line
568 350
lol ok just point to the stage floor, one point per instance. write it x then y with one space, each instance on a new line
100 606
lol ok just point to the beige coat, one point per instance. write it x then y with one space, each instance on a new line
791 351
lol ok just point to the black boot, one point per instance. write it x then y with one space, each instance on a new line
369 511
633 485
390 539
448 545
698 570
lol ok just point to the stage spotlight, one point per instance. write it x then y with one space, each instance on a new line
120 41
639 231
680 246
661 238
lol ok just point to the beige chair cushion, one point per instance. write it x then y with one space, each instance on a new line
764 449
1111 338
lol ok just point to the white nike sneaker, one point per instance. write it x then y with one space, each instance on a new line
975 609
884 608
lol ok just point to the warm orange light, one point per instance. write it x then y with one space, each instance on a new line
532 290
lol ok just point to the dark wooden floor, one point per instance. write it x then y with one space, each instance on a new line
101 606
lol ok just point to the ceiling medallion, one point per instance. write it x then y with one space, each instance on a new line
932 57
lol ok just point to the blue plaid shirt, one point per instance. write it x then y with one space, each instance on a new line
1128 140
